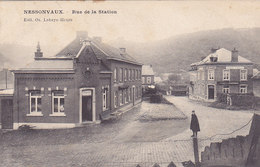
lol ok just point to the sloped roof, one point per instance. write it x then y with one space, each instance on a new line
223 56
147 70
49 64
100 49
256 76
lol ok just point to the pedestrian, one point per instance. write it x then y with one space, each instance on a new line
194 125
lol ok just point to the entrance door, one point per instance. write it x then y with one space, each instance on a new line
87 106
7 114
211 93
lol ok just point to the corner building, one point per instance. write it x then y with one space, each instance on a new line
85 82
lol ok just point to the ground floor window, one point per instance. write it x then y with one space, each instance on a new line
226 89
126 95
121 97
243 89
129 94
35 101
104 98
115 99
58 101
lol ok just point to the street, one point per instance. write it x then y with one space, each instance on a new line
138 137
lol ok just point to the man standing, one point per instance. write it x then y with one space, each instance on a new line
194 125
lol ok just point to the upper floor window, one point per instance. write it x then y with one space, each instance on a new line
121 75
226 74
58 102
149 80
140 74
243 74
243 89
126 74
225 89
35 102
129 74
133 75
211 74
115 74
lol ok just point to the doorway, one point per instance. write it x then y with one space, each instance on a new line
87 105
7 113
211 92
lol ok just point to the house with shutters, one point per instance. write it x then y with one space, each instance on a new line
222 71
85 82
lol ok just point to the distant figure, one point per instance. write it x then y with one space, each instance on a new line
194 125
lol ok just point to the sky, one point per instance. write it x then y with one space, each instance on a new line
136 21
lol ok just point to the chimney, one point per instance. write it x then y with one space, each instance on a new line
234 55
38 53
97 39
82 34
122 50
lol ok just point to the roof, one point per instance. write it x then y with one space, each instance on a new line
256 76
147 70
101 50
6 92
223 56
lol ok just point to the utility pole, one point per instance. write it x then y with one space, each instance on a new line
196 152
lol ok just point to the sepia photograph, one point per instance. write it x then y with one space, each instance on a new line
130 83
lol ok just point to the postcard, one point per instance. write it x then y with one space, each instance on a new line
130 83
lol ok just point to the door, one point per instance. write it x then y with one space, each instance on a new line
87 106
211 93
7 113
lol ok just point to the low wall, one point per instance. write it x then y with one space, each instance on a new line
242 151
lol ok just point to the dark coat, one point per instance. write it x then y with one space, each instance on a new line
194 125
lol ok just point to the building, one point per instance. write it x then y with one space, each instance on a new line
85 82
256 84
222 71
147 76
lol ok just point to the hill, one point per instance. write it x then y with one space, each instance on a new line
178 52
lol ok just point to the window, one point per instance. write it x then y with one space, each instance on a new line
115 74
121 74
133 73
104 98
126 75
243 89
126 95
210 74
35 102
243 75
226 75
129 94
140 75
58 102
121 97
143 80
136 74
115 99
148 80
129 75
225 89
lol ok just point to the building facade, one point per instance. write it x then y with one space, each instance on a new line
85 82
147 76
222 71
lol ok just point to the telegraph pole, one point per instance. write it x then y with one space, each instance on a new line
196 152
